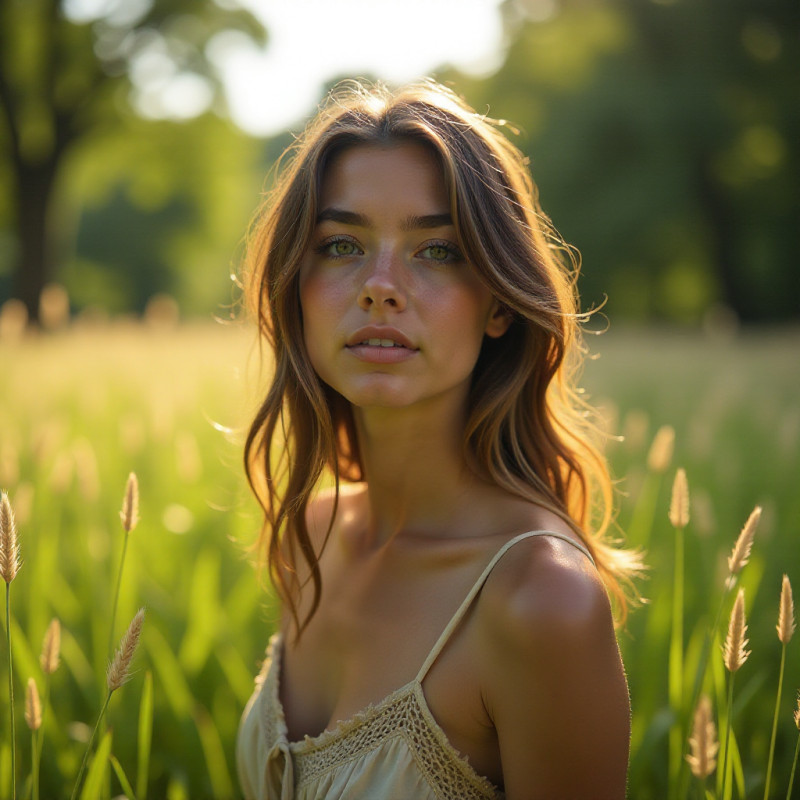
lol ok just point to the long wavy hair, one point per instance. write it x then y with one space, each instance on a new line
528 430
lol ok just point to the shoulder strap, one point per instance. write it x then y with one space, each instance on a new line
478 585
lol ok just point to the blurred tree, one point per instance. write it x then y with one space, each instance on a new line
69 70
664 140
159 207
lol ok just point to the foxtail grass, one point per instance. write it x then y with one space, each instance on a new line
785 628
737 560
734 656
703 743
129 516
33 718
679 518
117 675
9 567
740 554
49 660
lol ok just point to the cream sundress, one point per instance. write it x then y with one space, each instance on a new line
393 750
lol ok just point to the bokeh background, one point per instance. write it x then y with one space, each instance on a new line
662 134
136 140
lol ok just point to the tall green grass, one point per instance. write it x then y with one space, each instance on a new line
83 409
79 413
734 406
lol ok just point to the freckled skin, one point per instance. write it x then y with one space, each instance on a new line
382 272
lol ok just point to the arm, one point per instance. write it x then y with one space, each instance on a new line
554 683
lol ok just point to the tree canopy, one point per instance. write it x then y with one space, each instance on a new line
71 72
662 135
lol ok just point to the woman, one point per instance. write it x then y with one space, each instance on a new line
446 626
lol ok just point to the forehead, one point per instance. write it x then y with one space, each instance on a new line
403 172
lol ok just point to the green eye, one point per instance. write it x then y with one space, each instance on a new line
438 252
441 252
339 247
344 248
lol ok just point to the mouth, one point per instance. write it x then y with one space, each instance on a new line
380 336
379 343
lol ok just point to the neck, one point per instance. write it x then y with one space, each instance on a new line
417 478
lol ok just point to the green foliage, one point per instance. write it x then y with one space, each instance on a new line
70 79
662 139
164 207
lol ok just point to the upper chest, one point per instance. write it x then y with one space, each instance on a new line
377 622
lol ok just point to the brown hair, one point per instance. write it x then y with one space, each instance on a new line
527 428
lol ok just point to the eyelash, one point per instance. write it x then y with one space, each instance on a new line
453 253
324 247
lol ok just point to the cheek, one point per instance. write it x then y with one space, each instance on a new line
312 307
320 291
467 311
319 301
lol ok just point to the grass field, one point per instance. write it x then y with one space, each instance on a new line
81 409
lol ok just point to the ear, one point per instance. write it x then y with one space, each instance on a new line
499 320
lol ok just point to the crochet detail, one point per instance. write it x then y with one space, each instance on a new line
404 714
271 720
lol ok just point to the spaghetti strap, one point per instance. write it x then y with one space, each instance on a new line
478 585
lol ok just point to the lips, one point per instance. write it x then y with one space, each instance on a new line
383 337
380 343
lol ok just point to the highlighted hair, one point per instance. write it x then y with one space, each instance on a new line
528 430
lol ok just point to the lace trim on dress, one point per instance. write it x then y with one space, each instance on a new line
404 713
401 714
272 719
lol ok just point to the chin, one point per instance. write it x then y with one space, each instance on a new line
378 399
383 391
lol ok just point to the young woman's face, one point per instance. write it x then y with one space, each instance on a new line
393 314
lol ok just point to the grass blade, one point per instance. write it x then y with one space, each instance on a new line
122 778
145 736
95 777
214 753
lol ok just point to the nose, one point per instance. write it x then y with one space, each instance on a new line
382 286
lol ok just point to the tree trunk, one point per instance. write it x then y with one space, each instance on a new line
724 249
34 229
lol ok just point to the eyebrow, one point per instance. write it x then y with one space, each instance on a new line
414 222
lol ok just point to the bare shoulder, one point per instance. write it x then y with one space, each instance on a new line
544 586
550 670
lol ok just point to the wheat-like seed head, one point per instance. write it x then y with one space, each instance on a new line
660 454
740 554
703 741
679 504
33 706
797 713
9 544
119 670
735 643
51 648
786 623
130 504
